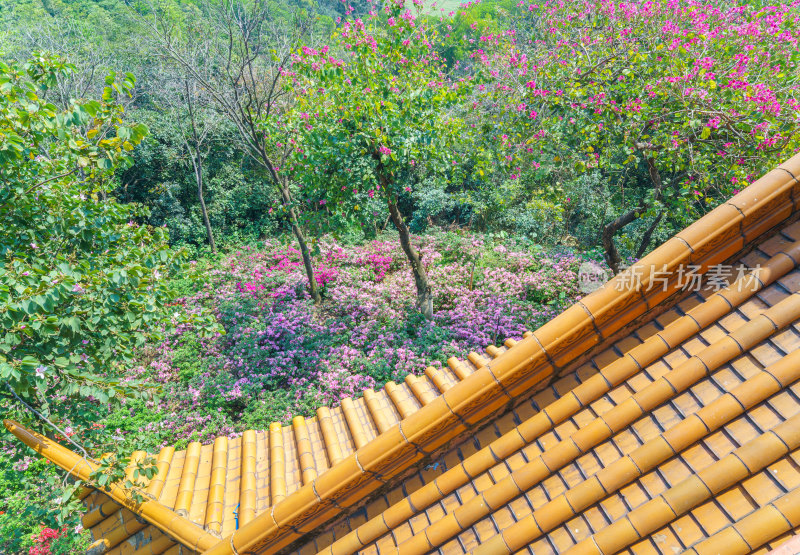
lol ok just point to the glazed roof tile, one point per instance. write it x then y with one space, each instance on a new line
645 418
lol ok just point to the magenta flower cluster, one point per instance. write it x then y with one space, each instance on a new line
281 355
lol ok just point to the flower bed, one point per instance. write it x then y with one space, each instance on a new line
281 356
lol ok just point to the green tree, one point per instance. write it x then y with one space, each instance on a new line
379 122
237 52
677 107
81 284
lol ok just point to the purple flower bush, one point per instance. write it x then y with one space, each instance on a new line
282 356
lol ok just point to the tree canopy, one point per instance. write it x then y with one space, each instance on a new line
678 105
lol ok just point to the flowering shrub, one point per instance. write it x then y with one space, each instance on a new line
59 541
42 541
281 356
678 103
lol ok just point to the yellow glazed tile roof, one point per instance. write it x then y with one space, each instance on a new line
645 418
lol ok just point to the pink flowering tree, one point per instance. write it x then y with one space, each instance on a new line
678 104
381 119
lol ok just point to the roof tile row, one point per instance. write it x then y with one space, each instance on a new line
652 453
744 461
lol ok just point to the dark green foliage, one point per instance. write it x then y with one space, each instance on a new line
21 520
242 205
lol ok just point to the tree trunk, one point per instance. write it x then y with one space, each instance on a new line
198 174
648 235
612 255
424 295
196 153
301 241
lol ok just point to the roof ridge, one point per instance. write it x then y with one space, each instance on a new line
151 510
613 374
713 239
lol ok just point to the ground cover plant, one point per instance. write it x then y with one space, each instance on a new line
280 355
